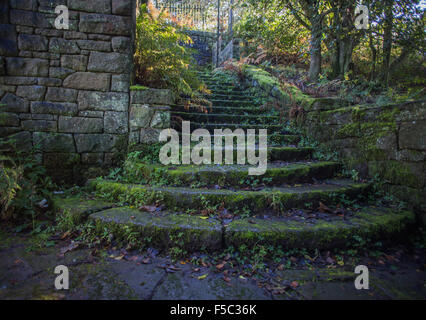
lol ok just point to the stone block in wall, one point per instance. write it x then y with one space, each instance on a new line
120 82
105 24
59 45
8 119
24 4
54 142
4 88
121 44
100 101
61 95
50 117
2 66
49 82
92 158
122 7
61 160
116 122
12 103
399 173
21 140
109 62
58 72
27 67
75 35
34 93
409 155
92 45
32 42
140 116
4 11
29 18
89 143
150 135
88 81
152 96
161 119
39 125
91 114
412 135
74 62
134 137
8 43
98 6
80 125
50 3
411 111
25 54
20 81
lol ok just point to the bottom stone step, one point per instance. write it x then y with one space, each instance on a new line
166 230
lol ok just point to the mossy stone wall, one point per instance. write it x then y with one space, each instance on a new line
384 141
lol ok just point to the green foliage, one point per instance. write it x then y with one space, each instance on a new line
162 60
23 182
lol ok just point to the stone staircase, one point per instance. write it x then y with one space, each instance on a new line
211 207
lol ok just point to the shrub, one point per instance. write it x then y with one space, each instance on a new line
161 58
23 182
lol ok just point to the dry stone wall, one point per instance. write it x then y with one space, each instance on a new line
67 91
149 115
384 141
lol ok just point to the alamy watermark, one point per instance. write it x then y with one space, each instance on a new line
62 280
204 153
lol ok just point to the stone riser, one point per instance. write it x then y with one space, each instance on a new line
275 200
229 176
195 234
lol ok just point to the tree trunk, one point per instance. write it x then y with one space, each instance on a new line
315 51
387 41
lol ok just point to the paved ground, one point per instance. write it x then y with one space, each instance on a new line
29 274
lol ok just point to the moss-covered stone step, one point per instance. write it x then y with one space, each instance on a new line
161 230
221 110
369 223
274 139
226 118
233 103
230 175
228 90
224 89
272 128
166 230
78 209
274 199
243 96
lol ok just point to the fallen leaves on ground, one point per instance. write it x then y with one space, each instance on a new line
202 277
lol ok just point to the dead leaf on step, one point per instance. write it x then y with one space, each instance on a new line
323 208
66 235
220 266
71 247
227 279
294 284
202 277
148 209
